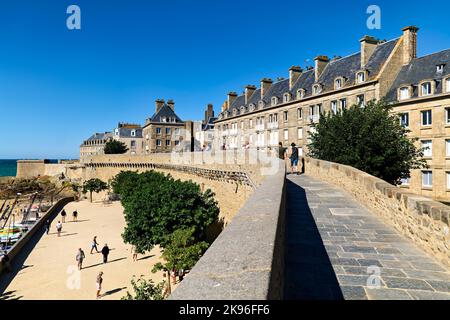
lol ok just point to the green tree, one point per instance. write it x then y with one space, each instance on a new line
182 251
115 147
145 290
94 185
369 138
155 205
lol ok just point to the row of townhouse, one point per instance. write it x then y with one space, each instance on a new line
287 110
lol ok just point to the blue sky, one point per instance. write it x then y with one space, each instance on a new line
57 86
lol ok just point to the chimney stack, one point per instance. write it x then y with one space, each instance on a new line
171 104
159 104
224 105
209 112
294 73
231 97
321 62
409 44
368 45
266 83
248 92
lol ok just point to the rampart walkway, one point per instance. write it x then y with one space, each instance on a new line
336 249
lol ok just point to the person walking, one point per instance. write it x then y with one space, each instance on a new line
134 252
94 245
99 284
80 257
75 215
294 158
63 216
59 228
105 252
47 226
281 151
6 265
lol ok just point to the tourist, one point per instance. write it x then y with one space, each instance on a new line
59 228
6 265
281 151
94 245
105 252
80 257
294 159
134 252
99 283
47 226
63 216
75 215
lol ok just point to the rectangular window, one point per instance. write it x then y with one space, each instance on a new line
158 130
404 93
343 104
177 143
425 88
404 119
299 113
428 148
167 142
242 125
300 133
448 180
360 100
447 85
285 116
250 123
405 181
426 118
361 77
158 142
133 143
447 148
300 152
177 131
447 115
286 134
427 179
167 130
334 107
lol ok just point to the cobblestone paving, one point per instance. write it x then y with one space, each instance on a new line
337 249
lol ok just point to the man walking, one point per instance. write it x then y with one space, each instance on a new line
99 283
59 228
63 216
75 215
80 257
105 252
47 226
294 159
94 245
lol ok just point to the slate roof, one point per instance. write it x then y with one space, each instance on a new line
126 132
165 112
100 136
210 124
346 67
423 68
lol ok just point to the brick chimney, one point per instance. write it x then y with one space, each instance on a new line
368 46
320 62
409 44
230 98
249 89
159 104
294 73
171 104
224 105
266 83
209 112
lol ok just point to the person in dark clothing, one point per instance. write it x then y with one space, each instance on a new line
94 245
294 159
75 215
281 151
6 262
47 226
105 252
63 215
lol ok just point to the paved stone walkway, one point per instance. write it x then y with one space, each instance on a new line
336 249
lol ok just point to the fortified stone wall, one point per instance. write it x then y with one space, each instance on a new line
30 168
424 221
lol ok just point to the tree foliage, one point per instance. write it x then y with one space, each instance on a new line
156 205
94 185
145 290
182 251
115 147
370 139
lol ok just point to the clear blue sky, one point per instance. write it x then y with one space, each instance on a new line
57 87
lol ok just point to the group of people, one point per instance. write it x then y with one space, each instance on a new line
292 154
59 225
81 256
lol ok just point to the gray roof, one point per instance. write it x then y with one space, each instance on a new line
126 132
343 67
210 124
165 112
423 68
100 136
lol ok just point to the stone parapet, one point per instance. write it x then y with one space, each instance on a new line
421 219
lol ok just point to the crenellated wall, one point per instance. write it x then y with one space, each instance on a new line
421 219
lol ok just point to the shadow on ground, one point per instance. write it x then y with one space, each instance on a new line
309 274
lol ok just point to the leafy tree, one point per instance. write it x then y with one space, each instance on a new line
115 147
145 290
94 185
182 251
370 139
156 205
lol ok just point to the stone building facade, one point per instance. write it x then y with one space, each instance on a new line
95 144
287 110
204 130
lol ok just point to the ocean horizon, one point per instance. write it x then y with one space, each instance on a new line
8 167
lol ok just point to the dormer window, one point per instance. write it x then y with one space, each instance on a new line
234 112
317 88
440 68
286 97
425 89
133 133
403 93
300 93
116 132
338 83
274 101
242 109
360 77
447 85
251 107
261 104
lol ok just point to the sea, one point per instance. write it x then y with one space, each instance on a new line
8 167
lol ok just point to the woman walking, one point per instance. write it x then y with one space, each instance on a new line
99 284
59 228
80 257
94 245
